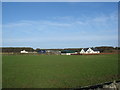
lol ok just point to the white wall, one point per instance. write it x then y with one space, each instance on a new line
65 53
91 51
82 51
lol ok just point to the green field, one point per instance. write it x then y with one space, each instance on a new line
58 71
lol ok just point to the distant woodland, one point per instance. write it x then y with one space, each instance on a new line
103 49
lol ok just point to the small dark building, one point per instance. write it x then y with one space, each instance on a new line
42 51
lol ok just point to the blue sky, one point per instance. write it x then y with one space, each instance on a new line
60 25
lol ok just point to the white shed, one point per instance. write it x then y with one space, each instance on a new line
23 51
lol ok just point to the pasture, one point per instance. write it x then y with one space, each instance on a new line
57 71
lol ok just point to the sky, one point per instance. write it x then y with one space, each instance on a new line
59 24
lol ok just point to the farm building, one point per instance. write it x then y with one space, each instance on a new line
68 52
41 51
55 52
89 50
23 51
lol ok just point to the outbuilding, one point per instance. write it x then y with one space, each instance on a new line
23 51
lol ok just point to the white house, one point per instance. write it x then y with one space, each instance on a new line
89 50
84 50
23 51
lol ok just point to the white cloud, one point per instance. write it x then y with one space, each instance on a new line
63 38
62 29
67 21
17 24
39 25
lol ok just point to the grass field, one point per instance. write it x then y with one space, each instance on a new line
58 71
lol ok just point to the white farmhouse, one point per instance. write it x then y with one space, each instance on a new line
23 51
84 50
89 51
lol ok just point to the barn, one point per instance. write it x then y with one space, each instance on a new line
68 52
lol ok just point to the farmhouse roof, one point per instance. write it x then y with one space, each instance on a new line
85 49
94 49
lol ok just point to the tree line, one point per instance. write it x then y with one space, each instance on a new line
104 49
16 49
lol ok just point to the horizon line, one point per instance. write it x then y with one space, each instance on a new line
54 48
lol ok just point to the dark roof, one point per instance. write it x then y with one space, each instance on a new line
67 51
94 49
85 49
